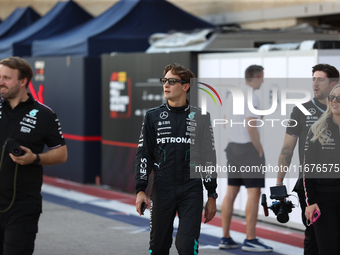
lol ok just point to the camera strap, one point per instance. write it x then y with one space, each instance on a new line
15 177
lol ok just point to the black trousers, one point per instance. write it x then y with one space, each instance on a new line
186 200
310 243
19 227
327 227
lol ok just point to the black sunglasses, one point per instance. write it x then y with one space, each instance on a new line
171 81
331 98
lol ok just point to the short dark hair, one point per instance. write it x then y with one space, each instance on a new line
184 73
253 71
331 71
23 67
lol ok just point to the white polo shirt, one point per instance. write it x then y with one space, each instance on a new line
237 128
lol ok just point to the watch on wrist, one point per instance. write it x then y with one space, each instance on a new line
213 195
37 160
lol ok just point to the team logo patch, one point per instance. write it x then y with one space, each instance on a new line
33 112
25 129
163 115
329 133
312 111
191 115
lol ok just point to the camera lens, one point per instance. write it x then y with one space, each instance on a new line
12 146
283 218
17 151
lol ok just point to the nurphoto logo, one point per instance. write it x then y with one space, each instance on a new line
213 90
239 100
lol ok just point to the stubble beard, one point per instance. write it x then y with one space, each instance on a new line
11 93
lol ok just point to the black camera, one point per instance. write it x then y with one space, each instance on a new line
281 207
13 147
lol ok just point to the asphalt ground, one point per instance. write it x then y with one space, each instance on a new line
78 219
64 230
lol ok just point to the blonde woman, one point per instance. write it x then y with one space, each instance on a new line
322 176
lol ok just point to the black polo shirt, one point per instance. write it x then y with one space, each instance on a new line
32 125
322 164
301 127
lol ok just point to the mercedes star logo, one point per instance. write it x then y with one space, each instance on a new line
163 115
312 111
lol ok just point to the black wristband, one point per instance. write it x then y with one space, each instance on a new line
213 195
37 160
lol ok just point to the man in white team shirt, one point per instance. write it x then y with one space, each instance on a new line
245 149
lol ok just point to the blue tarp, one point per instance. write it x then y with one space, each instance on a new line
62 17
18 20
125 27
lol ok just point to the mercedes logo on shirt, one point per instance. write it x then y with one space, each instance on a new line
329 133
163 115
312 111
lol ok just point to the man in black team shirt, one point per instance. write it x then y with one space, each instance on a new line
175 136
325 77
32 125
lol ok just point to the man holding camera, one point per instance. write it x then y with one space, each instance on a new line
325 77
26 126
